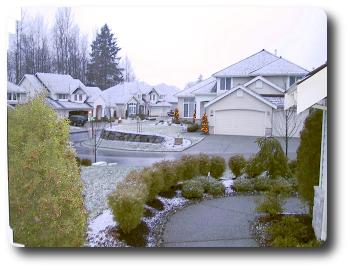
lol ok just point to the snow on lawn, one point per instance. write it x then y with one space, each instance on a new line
99 182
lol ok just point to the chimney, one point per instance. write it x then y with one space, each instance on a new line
276 52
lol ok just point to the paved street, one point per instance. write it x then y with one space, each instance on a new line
222 145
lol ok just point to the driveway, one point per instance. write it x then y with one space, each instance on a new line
223 222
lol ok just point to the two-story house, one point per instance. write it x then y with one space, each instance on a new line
133 98
66 95
15 94
245 98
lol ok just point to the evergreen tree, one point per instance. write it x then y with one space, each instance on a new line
103 70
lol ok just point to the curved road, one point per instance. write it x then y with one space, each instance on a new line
222 145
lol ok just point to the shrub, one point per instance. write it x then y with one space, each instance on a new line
186 122
217 166
190 166
192 128
192 189
292 166
237 164
243 186
253 167
261 183
271 205
205 180
85 162
292 232
45 189
204 164
216 188
171 173
154 179
127 202
308 157
272 158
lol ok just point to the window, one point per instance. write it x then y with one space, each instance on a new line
294 79
225 83
189 107
132 108
258 84
62 96
75 98
80 97
13 96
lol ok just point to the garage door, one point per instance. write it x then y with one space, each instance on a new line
240 122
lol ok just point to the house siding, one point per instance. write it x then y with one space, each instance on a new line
265 90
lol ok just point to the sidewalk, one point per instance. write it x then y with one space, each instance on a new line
223 222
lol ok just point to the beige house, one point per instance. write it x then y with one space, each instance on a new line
246 98
15 94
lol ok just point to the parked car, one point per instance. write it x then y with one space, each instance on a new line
171 113
77 120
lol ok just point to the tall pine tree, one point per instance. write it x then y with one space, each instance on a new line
103 70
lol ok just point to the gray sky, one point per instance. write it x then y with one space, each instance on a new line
175 44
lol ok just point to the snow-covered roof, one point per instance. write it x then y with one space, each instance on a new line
261 63
74 105
35 83
160 104
92 92
203 87
168 90
265 81
280 66
14 88
241 87
58 83
278 101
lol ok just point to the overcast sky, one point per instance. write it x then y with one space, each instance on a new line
174 45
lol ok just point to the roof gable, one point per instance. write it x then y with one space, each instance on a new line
202 87
265 81
227 93
58 83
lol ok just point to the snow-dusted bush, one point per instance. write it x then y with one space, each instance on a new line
204 164
45 189
215 188
128 200
154 180
192 189
170 172
217 166
253 167
190 166
237 164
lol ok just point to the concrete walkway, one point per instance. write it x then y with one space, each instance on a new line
223 222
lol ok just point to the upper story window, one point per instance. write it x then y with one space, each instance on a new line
80 97
225 83
62 96
294 79
162 97
153 96
13 96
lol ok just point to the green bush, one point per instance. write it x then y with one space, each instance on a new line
171 174
154 179
292 232
272 158
192 128
237 164
217 166
253 167
190 166
127 202
85 162
243 186
308 157
192 189
262 183
215 188
292 166
205 180
204 164
45 189
272 205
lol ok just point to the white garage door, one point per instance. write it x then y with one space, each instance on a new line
240 122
